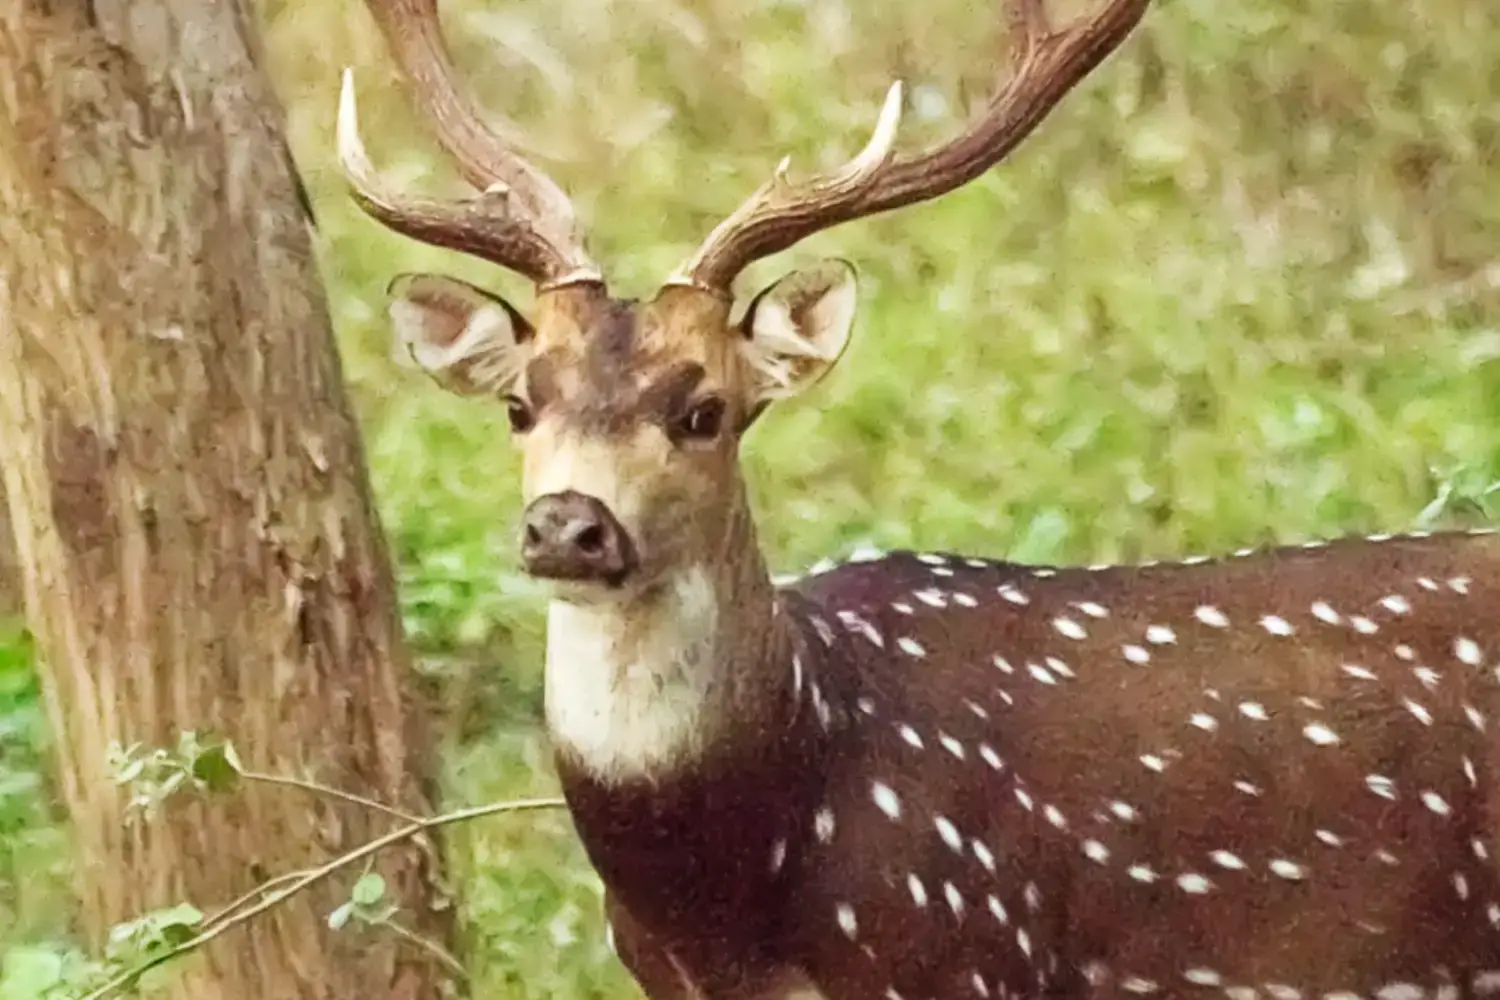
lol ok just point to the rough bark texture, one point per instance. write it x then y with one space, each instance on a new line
189 497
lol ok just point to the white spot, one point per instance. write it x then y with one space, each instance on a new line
1329 837
965 600
1254 710
1396 604
1475 718
1014 596
1420 711
1460 885
1095 851
1135 984
1276 625
1125 811
778 854
823 824
1320 734
1357 671
1467 651
1436 803
865 705
1381 785
1193 883
886 800
1363 624
932 559
1060 668
1324 613
1427 676
1249 788
1160 634
1002 664
1068 628
979 984
1288 869
931 598
1136 654
1040 673
1091 609
1211 616
910 646
949 833
1405 652
1281 991
903 607
954 897
1480 851
1202 977
1400 991
952 745
1459 584
917 889
1142 873
1055 817
998 909
990 757
847 923
1204 721
1227 859
910 735
1153 762
984 854
1427 583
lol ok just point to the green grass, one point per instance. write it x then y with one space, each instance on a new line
1241 287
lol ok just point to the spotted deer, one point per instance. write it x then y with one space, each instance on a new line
930 776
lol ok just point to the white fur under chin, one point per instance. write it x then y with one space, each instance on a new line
630 685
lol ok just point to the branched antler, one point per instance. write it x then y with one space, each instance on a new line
1049 64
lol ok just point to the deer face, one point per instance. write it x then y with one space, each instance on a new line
629 415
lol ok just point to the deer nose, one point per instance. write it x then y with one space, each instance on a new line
570 536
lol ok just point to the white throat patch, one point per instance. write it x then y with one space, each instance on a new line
629 691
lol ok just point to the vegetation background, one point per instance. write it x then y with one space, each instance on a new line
1242 287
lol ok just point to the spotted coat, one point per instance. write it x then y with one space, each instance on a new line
1264 776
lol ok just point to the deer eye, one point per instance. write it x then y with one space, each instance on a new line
520 414
701 421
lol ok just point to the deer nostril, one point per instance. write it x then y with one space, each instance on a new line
590 540
533 536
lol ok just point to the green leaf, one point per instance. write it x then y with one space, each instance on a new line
369 889
218 767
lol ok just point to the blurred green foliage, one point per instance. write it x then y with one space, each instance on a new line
1241 287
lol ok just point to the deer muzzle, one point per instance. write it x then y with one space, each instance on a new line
571 536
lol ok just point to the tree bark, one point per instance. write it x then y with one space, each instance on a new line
196 541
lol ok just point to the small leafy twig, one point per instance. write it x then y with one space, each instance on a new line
311 877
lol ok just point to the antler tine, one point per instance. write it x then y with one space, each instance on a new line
781 214
522 220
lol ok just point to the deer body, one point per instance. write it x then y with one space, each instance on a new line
1268 777
990 780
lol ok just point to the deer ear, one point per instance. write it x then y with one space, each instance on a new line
469 341
797 329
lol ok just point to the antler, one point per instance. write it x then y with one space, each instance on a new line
522 220
780 214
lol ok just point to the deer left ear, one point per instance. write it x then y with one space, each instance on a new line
797 329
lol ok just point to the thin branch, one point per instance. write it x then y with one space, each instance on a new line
434 949
314 875
317 789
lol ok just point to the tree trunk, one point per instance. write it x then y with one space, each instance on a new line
197 545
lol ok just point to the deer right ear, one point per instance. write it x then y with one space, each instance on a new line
469 341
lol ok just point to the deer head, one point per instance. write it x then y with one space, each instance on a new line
630 414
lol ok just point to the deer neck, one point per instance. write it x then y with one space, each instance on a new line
653 686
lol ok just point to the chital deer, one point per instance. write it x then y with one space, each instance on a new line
931 776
